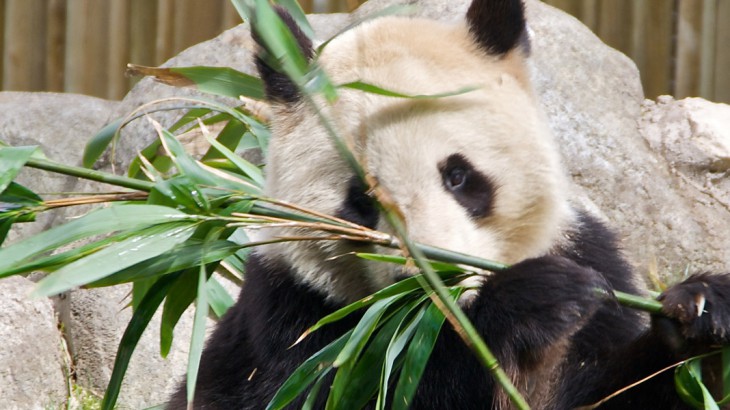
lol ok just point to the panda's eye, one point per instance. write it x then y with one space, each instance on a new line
455 178
470 188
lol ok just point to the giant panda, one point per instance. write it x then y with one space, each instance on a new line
477 173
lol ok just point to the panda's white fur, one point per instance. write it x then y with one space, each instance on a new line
476 173
497 126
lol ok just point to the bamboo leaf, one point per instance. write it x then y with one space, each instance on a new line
99 142
183 256
374 89
687 384
223 81
180 296
119 217
12 159
137 325
307 373
364 329
400 260
295 10
145 245
248 169
400 287
417 355
198 336
218 297
361 373
397 343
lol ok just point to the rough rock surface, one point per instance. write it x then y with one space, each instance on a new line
60 124
657 171
33 374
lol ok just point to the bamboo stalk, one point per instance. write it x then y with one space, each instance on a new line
90 174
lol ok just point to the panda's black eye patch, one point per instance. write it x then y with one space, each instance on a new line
471 189
358 207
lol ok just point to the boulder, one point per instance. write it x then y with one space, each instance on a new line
35 367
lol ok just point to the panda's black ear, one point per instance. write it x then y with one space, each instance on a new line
279 87
498 26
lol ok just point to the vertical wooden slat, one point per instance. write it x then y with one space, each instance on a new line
307 5
722 50
638 49
87 47
118 48
2 42
569 6
25 40
195 21
614 26
707 63
230 16
656 29
689 35
589 13
142 32
165 30
55 45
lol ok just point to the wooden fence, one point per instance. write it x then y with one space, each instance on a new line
682 47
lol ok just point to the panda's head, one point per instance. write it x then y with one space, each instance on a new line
476 172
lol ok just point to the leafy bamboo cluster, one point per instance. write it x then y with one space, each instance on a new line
180 225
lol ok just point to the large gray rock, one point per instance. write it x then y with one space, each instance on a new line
34 367
60 124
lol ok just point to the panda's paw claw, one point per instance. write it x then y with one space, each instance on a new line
701 307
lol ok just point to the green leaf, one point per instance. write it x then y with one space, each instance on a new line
137 325
725 360
307 373
218 297
400 260
118 217
183 256
364 329
99 142
222 81
401 287
374 89
397 343
248 169
145 245
295 10
362 373
688 385
198 336
180 296
12 159
417 355
191 116
179 192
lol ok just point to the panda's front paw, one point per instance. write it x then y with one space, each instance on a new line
548 292
701 307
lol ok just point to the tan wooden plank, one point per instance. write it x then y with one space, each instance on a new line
55 45
689 36
196 21
2 42
709 39
87 42
24 52
165 31
118 48
722 58
143 32
614 24
653 53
